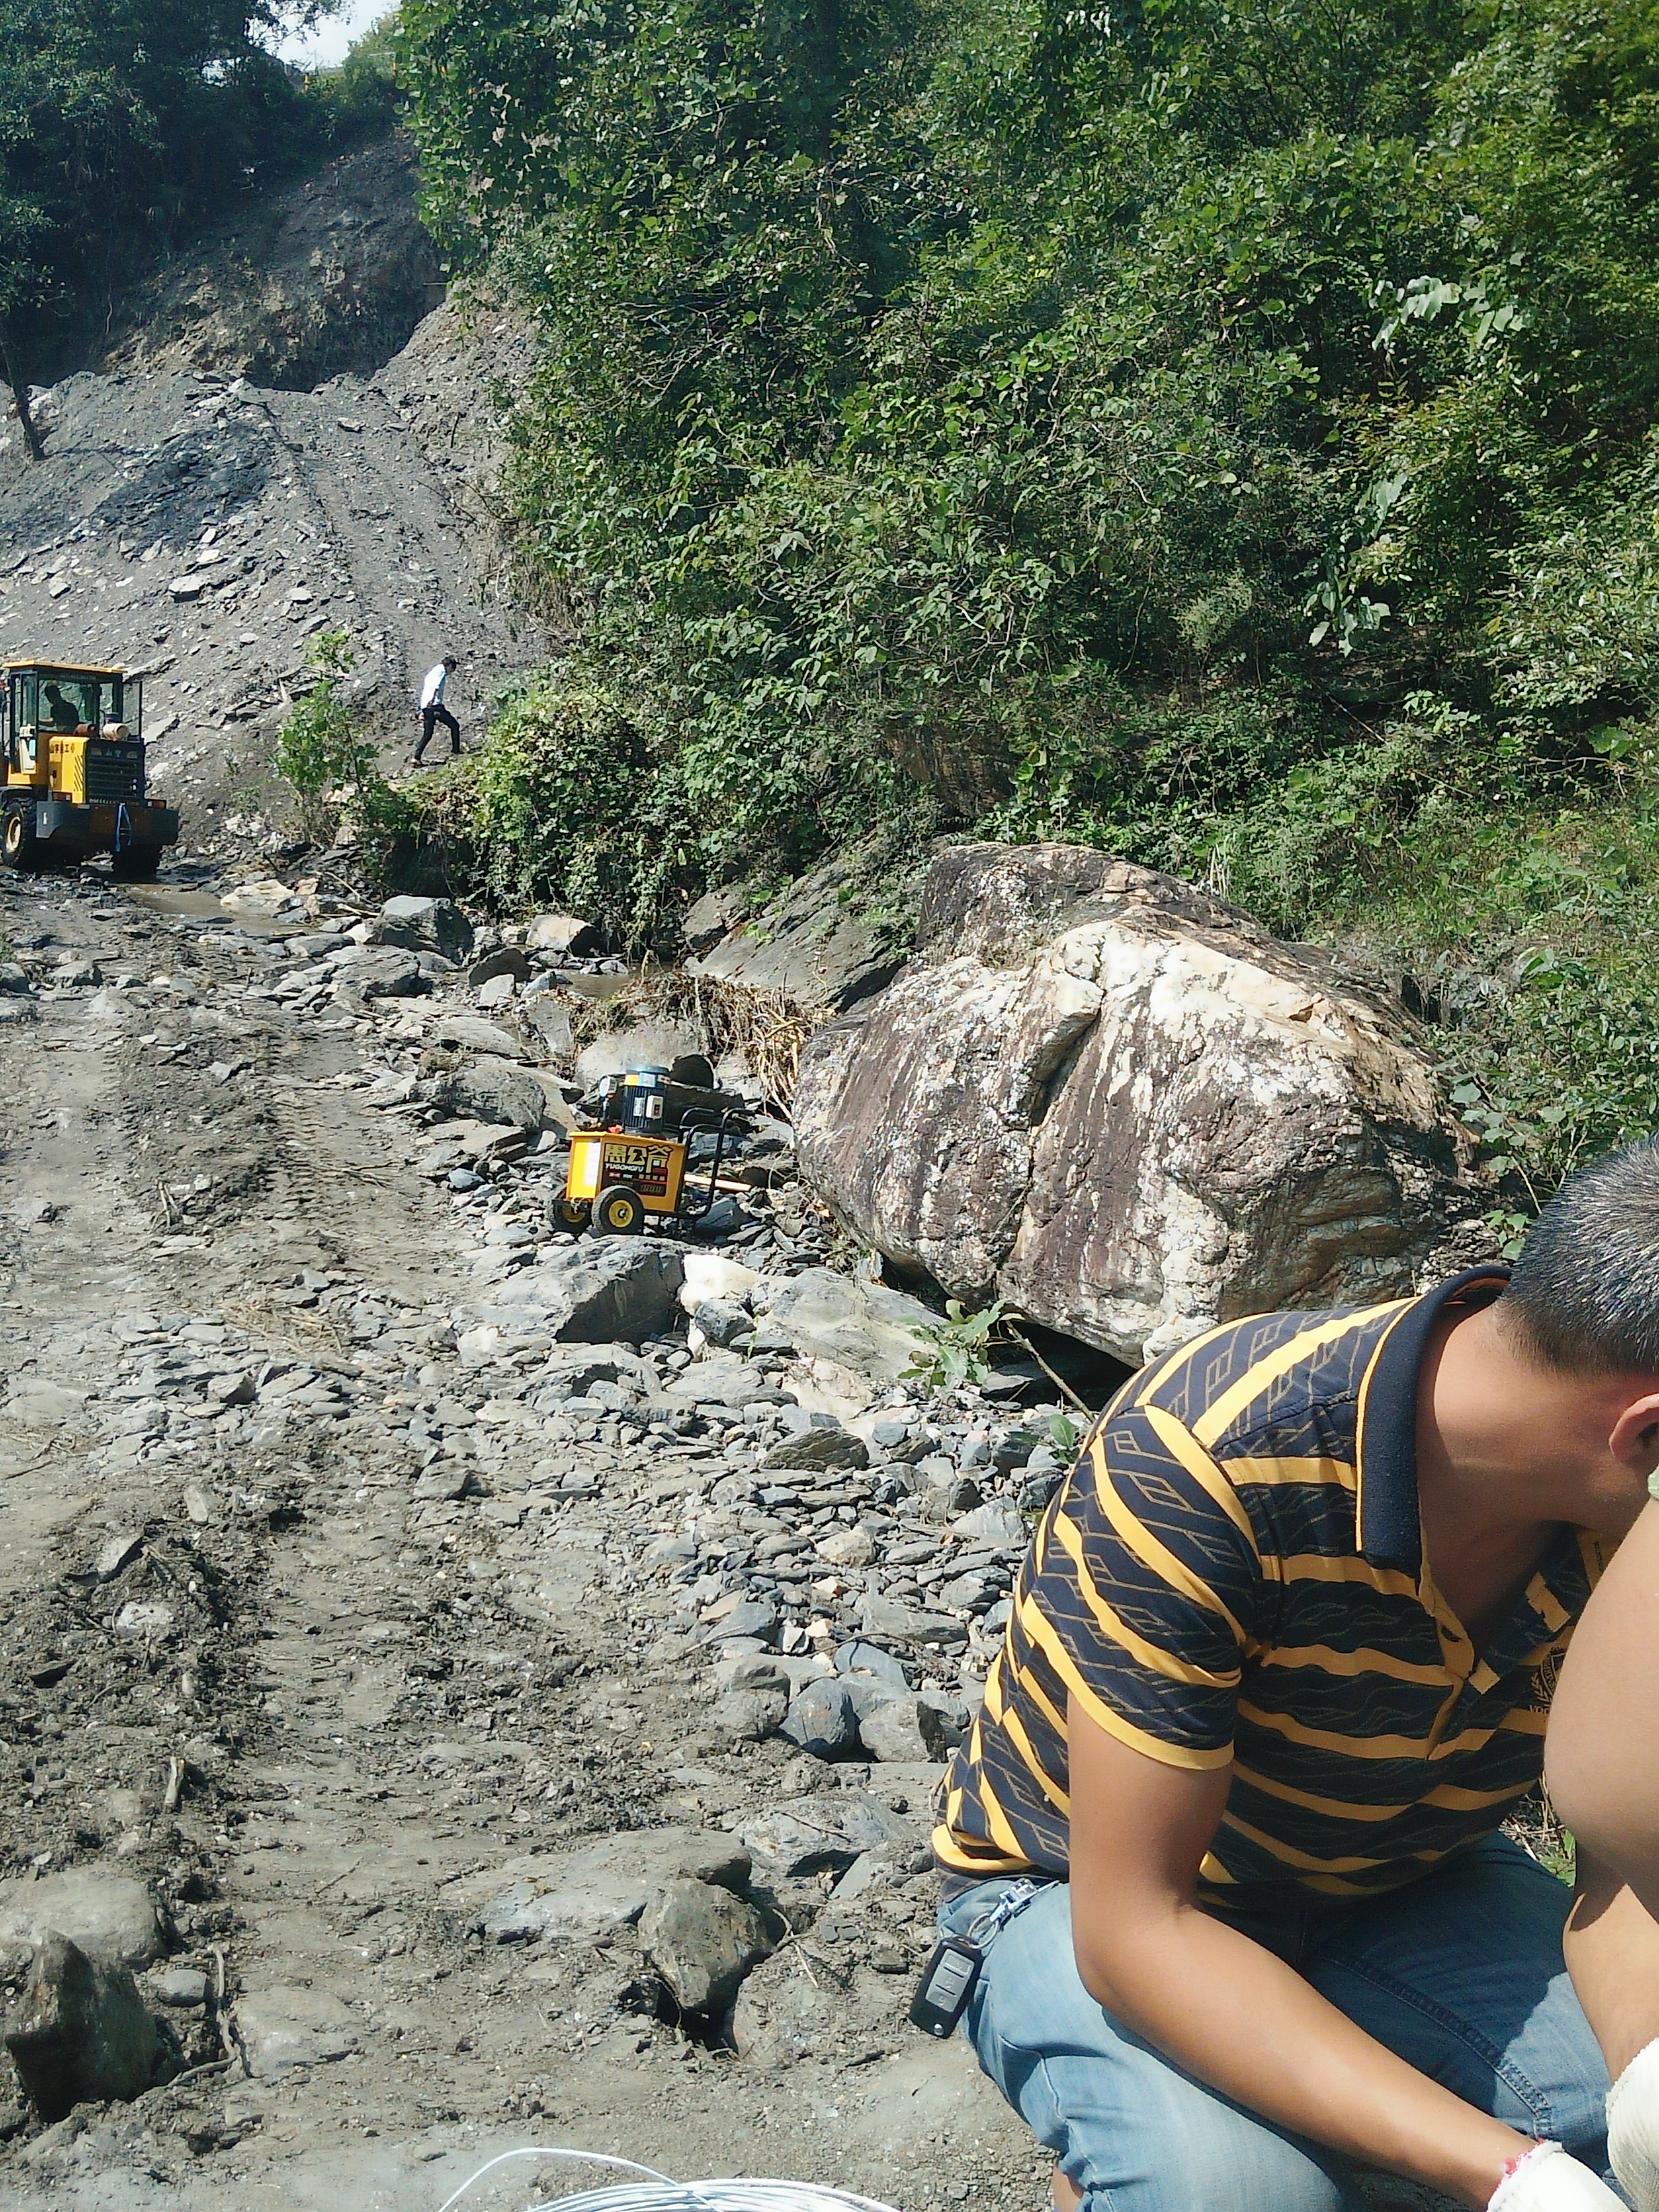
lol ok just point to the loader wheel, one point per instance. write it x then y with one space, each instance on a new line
18 846
137 863
618 1211
572 1213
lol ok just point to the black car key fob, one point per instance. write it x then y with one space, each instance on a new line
947 1983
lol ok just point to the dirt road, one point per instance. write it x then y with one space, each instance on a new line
320 1628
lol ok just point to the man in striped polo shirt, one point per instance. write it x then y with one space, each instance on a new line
1280 1664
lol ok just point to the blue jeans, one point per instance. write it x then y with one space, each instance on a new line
1459 1973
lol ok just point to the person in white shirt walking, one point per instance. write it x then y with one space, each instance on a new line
433 709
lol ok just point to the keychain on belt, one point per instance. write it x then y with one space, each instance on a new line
948 1978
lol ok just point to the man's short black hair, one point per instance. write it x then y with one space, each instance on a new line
1584 1293
450 661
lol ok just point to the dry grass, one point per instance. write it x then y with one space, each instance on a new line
1535 1825
765 1028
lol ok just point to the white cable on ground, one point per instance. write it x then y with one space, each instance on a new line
659 2194
585 2157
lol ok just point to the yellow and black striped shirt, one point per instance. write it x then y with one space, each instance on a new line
1232 1575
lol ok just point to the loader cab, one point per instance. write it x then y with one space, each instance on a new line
60 711
73 786
19 722
82 702
40 703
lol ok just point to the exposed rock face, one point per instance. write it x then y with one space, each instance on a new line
826 943
332 273
370 503
1127 1110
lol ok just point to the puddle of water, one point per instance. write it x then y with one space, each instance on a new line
164 899
203 905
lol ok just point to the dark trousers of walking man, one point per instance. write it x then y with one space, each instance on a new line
430 718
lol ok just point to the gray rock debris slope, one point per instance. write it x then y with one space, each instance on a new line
1125 1109
332 273
189 522
205 531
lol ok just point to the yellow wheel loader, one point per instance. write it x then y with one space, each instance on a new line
72 771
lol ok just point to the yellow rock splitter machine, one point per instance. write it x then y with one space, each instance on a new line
639 1164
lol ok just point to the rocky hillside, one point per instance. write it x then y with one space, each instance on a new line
285 435
326 278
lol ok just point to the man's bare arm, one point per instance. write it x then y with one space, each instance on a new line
1602 1761
1224 2008
1601 1756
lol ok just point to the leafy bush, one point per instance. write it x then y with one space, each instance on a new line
359 100
956 1349
324 749
932 377
1519 893
1581 628
567 808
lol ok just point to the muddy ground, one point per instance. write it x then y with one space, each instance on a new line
366 1686
308 1620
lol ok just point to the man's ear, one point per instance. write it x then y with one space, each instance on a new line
1635 1439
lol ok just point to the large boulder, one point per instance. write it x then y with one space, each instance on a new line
109 1916
828 941
426 925
492 1090
866 1327
605 1290
799 1836
1127 1110
823 1719
562 933
379 971
590 1893
472 1033
550 1016
702 1941
657 1043
509 960
825 1445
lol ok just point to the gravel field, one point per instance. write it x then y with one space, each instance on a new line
335 1612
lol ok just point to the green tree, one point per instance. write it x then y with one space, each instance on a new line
324 749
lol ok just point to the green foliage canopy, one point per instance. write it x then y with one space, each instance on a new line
905 355
1223 429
